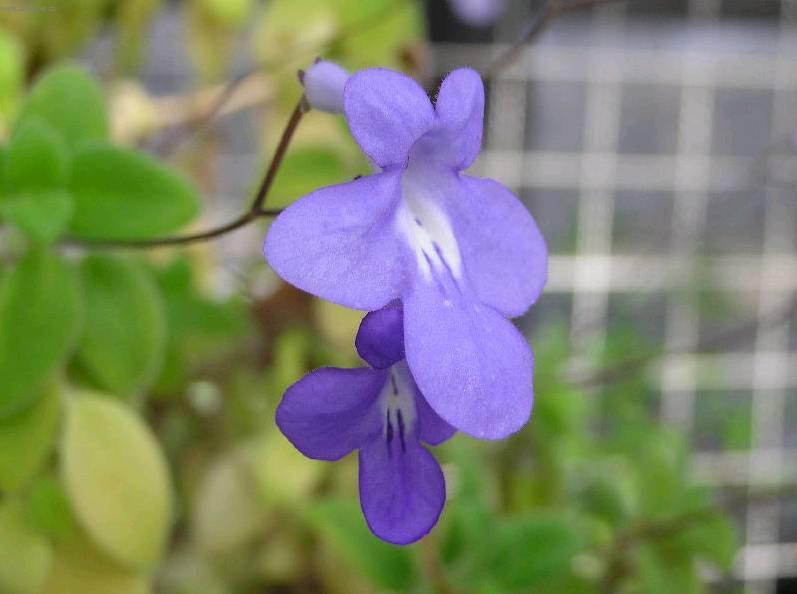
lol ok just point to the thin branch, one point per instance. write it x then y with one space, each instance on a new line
255 211
180 133
553 9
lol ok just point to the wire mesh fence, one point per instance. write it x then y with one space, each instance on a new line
655 154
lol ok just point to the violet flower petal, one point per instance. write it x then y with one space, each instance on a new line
386 112
431 428
331 412
460 113
337 243
402 489
380 338
471 364
505 256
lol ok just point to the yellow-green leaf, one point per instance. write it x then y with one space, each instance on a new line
116 479
24 555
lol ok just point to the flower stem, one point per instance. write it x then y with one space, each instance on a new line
552 9
255 211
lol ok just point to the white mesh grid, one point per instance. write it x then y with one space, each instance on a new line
711 59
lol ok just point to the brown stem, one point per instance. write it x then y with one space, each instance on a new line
180 133
553 9
255 211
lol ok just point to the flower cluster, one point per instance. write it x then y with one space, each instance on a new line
441 260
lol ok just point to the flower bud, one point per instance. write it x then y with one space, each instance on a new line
478 13
323 86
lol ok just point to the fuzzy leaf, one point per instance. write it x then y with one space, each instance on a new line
123 343
122 194
39 319
27 439
24 555
42 215
71 102
37 158
116 479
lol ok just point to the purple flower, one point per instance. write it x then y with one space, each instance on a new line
380 412
461 253
478 13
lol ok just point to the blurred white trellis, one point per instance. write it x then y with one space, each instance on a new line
688 82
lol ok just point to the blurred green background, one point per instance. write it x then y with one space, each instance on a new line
138 451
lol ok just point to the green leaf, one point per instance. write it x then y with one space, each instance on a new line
12 76
42 215
531 549
713 538
49 511
122 194
71 102
342 525
37 158
303 171
25 556
662 571
27 439
39 319
122 348
116 479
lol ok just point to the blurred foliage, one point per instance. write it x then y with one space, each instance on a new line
138 452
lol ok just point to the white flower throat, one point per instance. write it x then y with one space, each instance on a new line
397 403
427 229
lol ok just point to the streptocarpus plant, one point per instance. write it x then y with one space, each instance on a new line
461 254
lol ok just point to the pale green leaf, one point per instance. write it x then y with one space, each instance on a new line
117 479
25 556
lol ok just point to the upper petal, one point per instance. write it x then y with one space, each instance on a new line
386 112
471 364
331 412
402 490
460 113
380 339
338 243
504 253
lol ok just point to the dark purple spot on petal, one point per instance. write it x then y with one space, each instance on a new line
401 430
